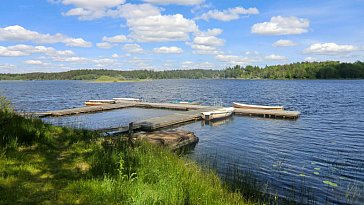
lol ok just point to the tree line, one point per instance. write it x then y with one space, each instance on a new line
302 70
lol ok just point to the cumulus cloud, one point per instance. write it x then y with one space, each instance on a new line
132 11
72 59
35 62
19 34
7 67
228 14
145 21
330 49
284 43
26 50
115 55
207 42
89 10
274 57
236 60
115 39
279 25
178 2
197 65
167 50
161 28
133 48
147 24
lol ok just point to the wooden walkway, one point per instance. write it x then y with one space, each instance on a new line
284 114
192 113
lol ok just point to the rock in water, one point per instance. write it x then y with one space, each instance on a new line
173 139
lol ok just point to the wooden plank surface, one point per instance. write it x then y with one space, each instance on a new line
186 107
267 113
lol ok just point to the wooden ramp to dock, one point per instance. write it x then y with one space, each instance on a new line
166 121
83 110
171 120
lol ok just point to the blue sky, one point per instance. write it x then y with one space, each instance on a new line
60 35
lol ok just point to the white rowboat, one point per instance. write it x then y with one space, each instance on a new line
261 107
217 114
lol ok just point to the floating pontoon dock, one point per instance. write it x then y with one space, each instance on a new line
192 113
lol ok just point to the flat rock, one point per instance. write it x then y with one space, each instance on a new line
173 139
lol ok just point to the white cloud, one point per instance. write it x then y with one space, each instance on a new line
20 34
166 50
73 59
310 59
94 4
104 45
115 55
284 43
26 50
179 2
132 11
7 67
147 24
115 39
279 25
197 65
34 62
211 41
330 49
228 14
133 48
207 42
161 28
104 62
274 57
89 10
236 60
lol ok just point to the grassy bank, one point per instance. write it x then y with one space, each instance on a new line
44 164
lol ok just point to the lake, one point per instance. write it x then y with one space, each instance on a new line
317 159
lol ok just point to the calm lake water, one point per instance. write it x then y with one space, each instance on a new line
320 155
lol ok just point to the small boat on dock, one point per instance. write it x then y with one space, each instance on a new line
99 102
127 99
259 107
218 114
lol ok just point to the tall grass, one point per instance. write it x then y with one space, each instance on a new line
44 164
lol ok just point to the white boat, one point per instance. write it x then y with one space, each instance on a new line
217 114
127 99
261 107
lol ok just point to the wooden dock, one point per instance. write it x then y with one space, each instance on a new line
192 113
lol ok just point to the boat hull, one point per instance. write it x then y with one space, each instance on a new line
258 107
217 114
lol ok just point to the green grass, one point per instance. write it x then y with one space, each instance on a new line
54 165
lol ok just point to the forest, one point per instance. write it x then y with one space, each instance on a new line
302 70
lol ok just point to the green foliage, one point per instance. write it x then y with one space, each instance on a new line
303 70
54 165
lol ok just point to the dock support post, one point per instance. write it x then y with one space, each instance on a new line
131 130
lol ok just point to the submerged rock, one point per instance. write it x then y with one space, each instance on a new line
173 139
